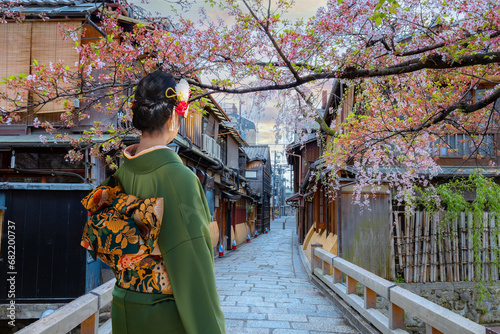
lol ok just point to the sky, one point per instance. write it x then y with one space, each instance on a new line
264 117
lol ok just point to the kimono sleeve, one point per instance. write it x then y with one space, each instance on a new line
191 271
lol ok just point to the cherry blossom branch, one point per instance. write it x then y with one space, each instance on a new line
319 119
265 28
433 62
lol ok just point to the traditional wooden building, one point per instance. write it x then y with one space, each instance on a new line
383 231
40 191
258 173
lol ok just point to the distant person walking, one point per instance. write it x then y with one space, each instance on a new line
149 222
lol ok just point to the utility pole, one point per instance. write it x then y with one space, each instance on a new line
280 192
240 126
275 186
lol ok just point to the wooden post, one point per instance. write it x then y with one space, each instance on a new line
430 330
337 275
370 298
314 260
90 325
325 267
396 316
351 285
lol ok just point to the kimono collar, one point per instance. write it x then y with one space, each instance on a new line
148 160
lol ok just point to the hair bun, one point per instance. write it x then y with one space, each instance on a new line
152 109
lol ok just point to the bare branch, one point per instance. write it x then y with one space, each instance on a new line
275 44
319 119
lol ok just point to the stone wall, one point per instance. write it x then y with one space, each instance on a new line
460 297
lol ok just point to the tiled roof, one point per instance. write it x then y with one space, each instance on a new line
234 132
46 3
258 152
53 8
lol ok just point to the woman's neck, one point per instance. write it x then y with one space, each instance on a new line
149 140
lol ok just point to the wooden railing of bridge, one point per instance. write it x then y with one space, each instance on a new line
82 311
437 318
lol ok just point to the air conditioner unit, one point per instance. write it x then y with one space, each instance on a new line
217 151
207 143
211 147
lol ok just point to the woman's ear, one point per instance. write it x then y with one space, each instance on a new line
169 125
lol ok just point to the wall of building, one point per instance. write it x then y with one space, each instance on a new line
367 230
232 153
256 183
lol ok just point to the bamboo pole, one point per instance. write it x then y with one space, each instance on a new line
463 245
434 248
497 251
469 248
452 251
449 252
442 273
493 249
425 247
416 272
411 248
407 249
399 241
457 250
486 255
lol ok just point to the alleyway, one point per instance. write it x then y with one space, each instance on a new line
264 289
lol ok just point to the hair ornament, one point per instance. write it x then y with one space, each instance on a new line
183 92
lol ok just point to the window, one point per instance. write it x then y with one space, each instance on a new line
223 149
460 145
204 123
251 174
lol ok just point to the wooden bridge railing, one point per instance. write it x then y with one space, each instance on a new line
83 310
437 318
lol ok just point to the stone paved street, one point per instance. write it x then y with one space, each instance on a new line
264 289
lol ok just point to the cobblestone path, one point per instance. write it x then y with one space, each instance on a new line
264 289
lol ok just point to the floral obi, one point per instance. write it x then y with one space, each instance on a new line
123 232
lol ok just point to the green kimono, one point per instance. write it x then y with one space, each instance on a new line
185 245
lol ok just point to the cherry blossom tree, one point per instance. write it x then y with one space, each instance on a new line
415 68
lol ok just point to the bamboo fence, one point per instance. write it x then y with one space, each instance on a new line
428 249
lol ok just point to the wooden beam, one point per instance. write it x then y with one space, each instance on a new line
396 316
370 298
90 325
351 285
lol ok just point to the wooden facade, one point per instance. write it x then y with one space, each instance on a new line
406 246
42 166
258 172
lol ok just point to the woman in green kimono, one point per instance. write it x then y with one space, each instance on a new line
156 238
